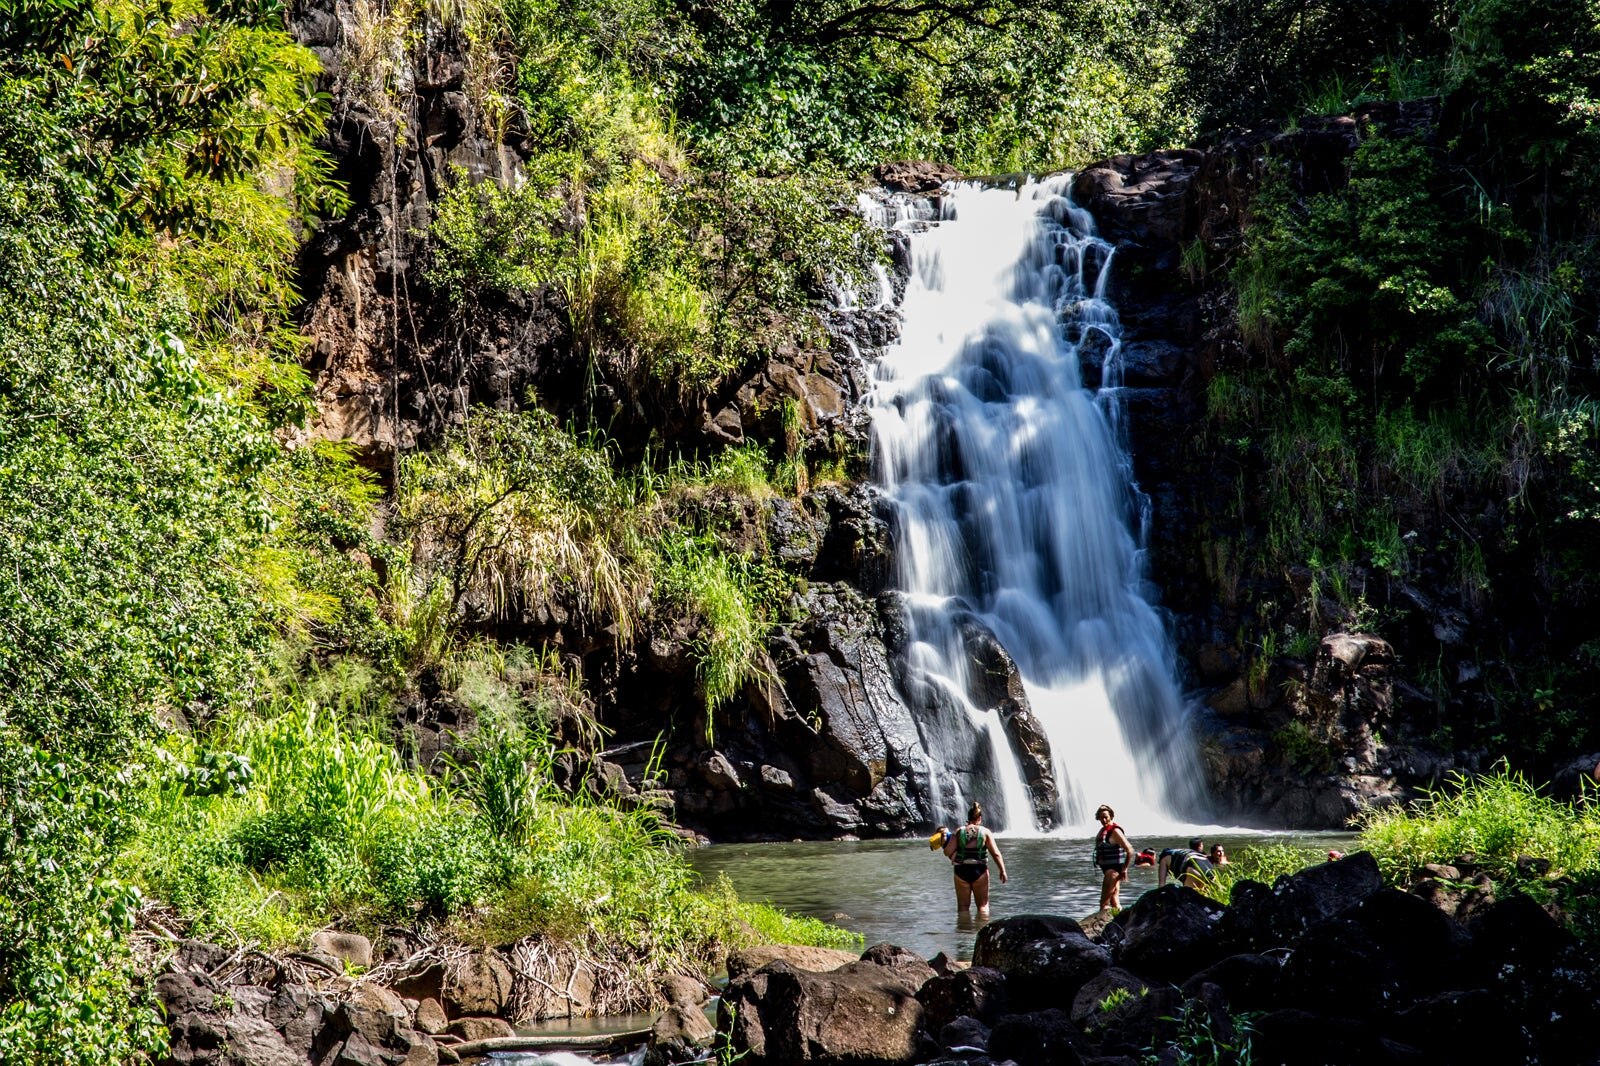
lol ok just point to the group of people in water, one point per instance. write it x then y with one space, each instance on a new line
1192 866
970 848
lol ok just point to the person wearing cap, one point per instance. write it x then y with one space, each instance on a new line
1112 854
1188 865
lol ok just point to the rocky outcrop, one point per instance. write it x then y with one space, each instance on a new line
831 748
1325 967
996 686
1290 738
222 1010
860 1013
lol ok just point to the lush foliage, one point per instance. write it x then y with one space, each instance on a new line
1415 395
518 519
142 366
1496 818
992 87
321 817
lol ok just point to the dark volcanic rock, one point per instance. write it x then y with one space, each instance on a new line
1045 959
1169 933
1381 956
1302 1038
914 176
1301 900
997 686
978 992
1043 1038
1249 982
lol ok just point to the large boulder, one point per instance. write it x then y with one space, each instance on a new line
1381 956
996 685
1475 1018
1540 973
1247 982
1043 1038
1097 1001
1348 696
908 964
1140 198
351 949
1260 919
914 176
1293 1037
799 956
978 992
1169 933
860 1013
478 984
1045 959
679 1034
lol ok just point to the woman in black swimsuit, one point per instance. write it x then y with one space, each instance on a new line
968 848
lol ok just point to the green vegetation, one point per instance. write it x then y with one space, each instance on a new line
211 619
1496 818
1201 1041
321 817
1259 862
1495 821
1415 395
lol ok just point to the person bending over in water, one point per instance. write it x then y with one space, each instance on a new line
967 848
1188 865
1112 853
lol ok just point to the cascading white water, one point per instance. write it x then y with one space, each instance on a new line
1016 511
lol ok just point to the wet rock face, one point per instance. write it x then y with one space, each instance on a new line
826 747
997 686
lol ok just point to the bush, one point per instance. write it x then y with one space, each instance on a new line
1496 818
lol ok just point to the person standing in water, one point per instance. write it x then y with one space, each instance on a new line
968 849
1113 854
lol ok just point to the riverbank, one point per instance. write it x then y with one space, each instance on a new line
899 891
1326 967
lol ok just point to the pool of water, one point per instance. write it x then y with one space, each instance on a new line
901 892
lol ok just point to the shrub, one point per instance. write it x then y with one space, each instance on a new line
724 593
488 241
512 512
1495 817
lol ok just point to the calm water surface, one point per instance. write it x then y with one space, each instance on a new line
900 891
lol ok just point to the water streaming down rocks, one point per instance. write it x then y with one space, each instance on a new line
1018 526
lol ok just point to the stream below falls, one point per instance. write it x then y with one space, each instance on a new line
900 891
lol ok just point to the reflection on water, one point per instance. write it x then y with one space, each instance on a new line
901 892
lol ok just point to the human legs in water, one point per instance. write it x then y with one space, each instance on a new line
972 883
1111 888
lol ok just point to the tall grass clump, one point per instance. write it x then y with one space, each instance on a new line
723 592
1495 818
515 513
1260 862
504 774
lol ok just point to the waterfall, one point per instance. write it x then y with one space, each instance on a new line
1016 515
